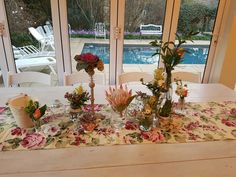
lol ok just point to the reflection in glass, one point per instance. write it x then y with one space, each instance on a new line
89 22
197 15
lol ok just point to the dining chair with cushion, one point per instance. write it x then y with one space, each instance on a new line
134 77
83 77
194 77
20 79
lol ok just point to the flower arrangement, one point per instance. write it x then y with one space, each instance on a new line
77 98
89 62
181 90
171 55
119 98
35 112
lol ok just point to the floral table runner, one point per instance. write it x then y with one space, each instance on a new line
201 122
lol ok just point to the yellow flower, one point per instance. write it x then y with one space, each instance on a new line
79 90
158 74
100 65
147 109
152 101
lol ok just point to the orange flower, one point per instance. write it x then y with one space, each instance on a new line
100 65
37 114
180 52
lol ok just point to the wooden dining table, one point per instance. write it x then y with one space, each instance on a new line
199 159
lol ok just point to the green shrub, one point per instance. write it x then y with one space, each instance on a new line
22 39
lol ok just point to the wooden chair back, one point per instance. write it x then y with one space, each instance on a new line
134 77
16 79
83 77
187 76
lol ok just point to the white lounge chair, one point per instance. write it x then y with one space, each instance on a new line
46 43
30 51
30 58
100 30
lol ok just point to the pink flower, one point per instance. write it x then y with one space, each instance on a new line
2 109
229 123
154 136
89 58
233 111
17 131
88 108
33 141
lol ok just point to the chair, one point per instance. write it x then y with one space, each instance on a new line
100 30
187 76
17 79
45 42
30 57
30 51
83 77
134 77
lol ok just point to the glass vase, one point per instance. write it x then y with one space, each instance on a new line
146 122
180 107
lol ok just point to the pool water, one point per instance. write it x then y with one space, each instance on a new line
142 54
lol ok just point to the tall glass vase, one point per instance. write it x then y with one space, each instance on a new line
166 105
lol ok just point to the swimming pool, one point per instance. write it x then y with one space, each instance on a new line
142 54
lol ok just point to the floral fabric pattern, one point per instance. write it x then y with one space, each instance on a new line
201 122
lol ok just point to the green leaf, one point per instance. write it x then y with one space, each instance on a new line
81 65
95 141
43 109
49 140
167 136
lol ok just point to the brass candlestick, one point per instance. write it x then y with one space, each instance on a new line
92 85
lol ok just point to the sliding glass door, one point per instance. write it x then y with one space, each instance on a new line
31 34
198 16
143 23
89 31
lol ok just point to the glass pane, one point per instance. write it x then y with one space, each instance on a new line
31 31
197 15
143 23
89 22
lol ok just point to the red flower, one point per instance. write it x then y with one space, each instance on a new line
129 125
89 58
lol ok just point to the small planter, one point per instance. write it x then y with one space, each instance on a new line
17 105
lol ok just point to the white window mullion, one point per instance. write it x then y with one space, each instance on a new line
113 41
221 16
7 60
171 21
57 39
65 36
120 37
